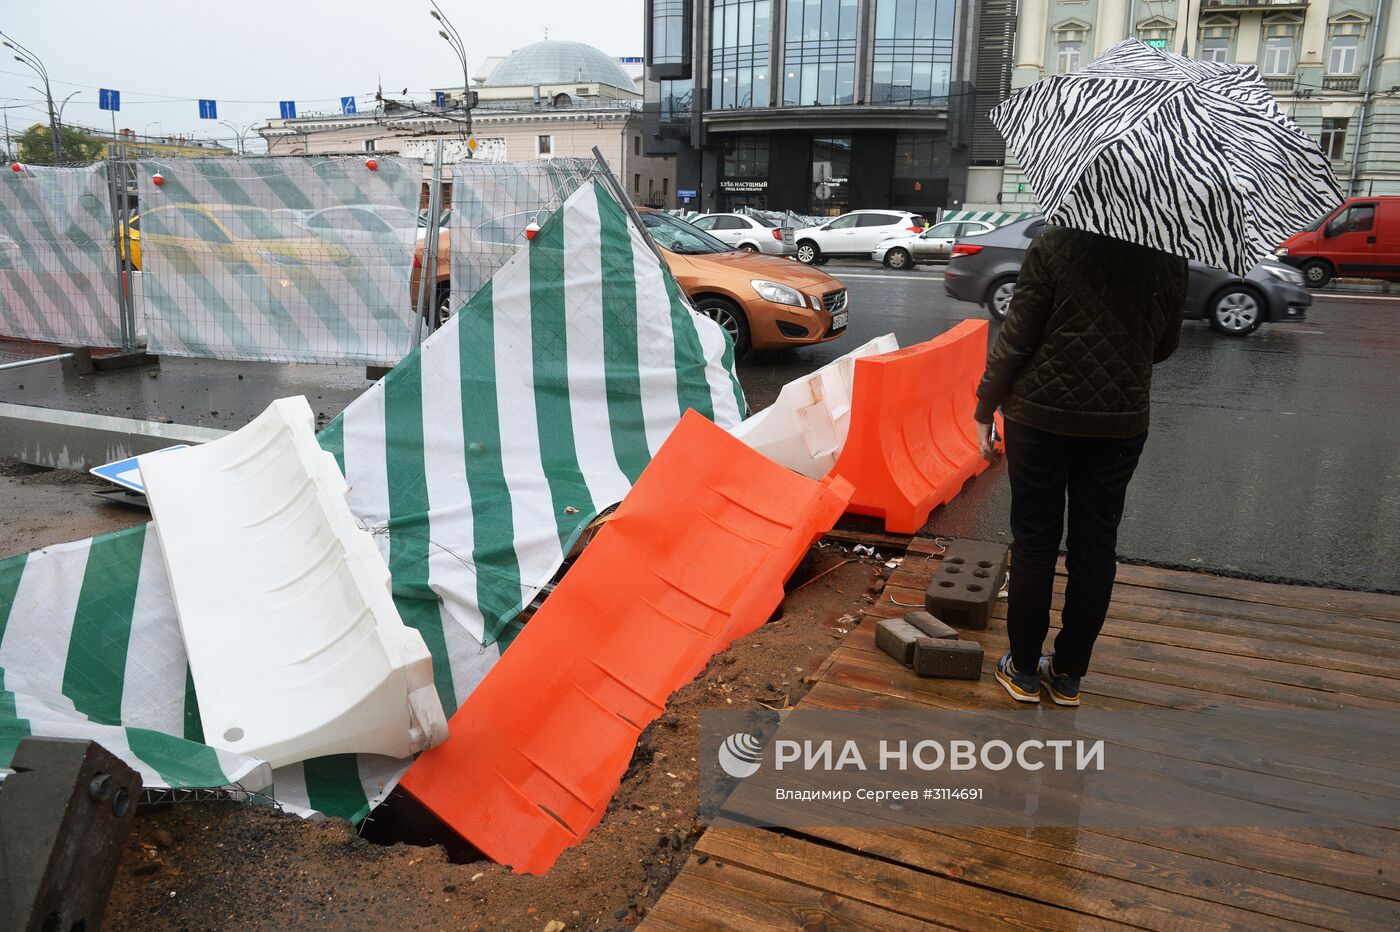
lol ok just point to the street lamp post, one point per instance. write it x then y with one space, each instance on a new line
238 134
26 57
453 38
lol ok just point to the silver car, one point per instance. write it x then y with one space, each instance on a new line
905 250
751 234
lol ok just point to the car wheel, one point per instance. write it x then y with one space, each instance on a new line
898 259
1236 311
998 300
809 253
727 315
747 247
1316 273
443 301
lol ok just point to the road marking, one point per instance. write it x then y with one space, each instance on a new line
888 278
1358 297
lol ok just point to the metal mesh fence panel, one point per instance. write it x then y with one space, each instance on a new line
58 265
280 259
493 203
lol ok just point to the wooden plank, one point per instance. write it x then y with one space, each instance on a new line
919 894
1035 874
1339 601
715 895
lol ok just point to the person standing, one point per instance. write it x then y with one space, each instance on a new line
1071 371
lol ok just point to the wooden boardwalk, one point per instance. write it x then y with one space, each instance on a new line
1173 640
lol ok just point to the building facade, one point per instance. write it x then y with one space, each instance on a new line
547 100
1333 65
821 106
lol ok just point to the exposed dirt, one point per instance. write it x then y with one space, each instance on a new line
207 865
42 507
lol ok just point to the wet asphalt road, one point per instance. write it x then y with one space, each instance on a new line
1277 455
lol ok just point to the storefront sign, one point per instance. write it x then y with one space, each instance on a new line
737 184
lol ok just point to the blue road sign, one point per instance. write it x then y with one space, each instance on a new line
440 99
289 109
125 473
208 110
685 194
347 105
108 99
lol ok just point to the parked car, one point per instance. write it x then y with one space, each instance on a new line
751 234
983 270
904 249
763 301
853 234
361 220
245 238
1360 239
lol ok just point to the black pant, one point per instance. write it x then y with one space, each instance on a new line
1095 471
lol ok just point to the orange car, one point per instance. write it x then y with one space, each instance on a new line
763 301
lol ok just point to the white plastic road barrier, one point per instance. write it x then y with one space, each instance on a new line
295 647
806 427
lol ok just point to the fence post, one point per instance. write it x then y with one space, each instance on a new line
427 278
626 204
115 194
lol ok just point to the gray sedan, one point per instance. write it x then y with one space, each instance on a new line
983 270
750 234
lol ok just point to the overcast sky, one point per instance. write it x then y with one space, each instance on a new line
251 54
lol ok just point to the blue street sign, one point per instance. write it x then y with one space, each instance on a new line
347 105
125 472
208 110
440 99
685 194
288 108
108 99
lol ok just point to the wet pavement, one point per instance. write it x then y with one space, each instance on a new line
1277 455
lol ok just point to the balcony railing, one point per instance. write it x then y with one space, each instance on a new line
1278 85
1253 5
1341 83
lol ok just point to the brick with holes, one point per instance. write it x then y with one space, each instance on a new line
966 584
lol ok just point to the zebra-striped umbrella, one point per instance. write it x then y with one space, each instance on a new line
1190 157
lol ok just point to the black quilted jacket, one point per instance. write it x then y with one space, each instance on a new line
1090 317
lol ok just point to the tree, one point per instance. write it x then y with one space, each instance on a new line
36 145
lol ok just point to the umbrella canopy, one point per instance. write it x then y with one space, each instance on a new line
1190 157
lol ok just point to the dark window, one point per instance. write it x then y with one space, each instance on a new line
1334 136
636 145
675 101
877 220
669 42
704 223
819 63
831 170
739 76
918 155
913 52
1358 218
730 223
844 223
746 157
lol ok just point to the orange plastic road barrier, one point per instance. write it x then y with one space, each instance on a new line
912 442
695 557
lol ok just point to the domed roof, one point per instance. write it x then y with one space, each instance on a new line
558 62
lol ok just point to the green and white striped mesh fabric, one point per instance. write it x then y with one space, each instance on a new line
58 267
480 458
994 217
287 259
493 203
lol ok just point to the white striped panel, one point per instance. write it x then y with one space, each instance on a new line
451 573
34 652
583 309
656 345
366 463
153 694
712 338
532 506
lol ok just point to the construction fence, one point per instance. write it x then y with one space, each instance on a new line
285 259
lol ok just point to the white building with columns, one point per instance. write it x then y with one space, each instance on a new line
1334 66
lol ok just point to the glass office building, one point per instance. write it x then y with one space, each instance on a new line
817 106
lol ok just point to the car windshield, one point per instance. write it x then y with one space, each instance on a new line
1320 221
680 237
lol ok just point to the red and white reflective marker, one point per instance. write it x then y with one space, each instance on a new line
531 229
16 167
157 179
372 165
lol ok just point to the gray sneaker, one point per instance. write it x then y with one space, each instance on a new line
1023 687
1063 690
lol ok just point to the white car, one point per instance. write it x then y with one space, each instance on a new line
904 250
751 234
853 234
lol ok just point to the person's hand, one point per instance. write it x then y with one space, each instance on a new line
984 441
